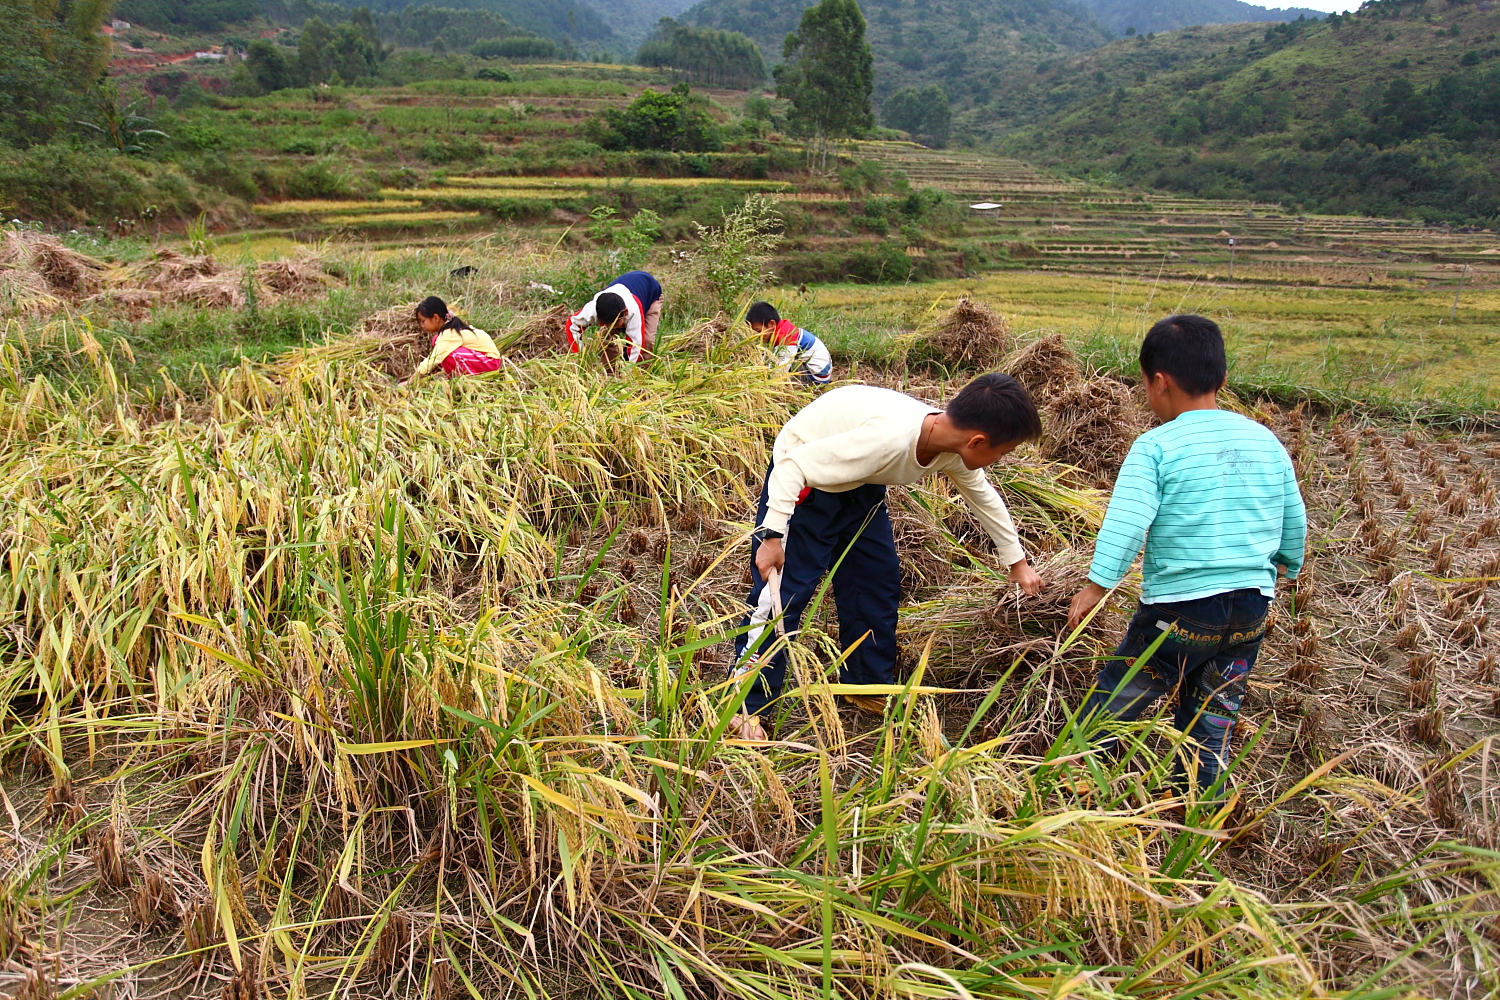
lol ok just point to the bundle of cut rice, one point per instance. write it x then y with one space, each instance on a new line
545 333
971 335
66 271
1091 425
402 343
296 276
1045 367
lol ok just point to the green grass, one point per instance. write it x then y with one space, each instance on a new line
1395 350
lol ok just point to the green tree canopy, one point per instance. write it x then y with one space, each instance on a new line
54 56
704 55
829 72
921 111
677 121
516 47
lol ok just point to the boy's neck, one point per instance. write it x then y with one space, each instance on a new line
938 437
1181 405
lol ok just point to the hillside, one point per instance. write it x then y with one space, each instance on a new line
632 20
1146 16
562 20
1392 110
969 49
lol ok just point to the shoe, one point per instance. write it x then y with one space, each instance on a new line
868 703
747 727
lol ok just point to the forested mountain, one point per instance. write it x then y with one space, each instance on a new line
633 20
1391 110
1145 16
563 20
966 46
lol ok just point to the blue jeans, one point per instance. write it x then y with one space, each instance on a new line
1207 657
866 585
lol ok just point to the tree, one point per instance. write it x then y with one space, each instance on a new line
312 66
54 57
921 111
677 121
269 67
704 55
829 73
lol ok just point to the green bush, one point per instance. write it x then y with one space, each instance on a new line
490 73
877 264
455 149
675 121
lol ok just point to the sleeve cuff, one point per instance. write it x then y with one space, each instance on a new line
775 521
1010 554
1102 581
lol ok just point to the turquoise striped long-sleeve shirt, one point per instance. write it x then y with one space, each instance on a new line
1214 498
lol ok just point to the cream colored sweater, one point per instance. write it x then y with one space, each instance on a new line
860 434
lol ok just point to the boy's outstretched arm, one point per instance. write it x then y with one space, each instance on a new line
1132 508
1293 527
985 501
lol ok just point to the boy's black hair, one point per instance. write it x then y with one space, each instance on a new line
762 312
1190 349
609 306
997 406
434 306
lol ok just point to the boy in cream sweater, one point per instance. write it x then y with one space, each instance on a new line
823 504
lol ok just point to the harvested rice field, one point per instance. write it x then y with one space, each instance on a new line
319 686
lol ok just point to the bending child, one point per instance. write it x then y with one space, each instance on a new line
1214 498
823 504
797 350
629 307
457 347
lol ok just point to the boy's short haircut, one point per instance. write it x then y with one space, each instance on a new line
1190 349
761 313
609 307
997 406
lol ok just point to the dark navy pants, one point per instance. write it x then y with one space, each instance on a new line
1207 656
866 585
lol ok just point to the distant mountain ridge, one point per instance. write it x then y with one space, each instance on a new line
633 20
1392 110
966 46
1167 15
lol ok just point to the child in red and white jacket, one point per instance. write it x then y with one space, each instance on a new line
797 350
631 306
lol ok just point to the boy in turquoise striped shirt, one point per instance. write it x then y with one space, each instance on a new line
1214 498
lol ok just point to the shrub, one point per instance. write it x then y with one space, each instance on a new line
675 121
923 112
490 73
456 149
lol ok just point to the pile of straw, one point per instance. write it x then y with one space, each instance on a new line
970 335
545 333
398 339
704 336
38 273
1091 424
294 277
1045 367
